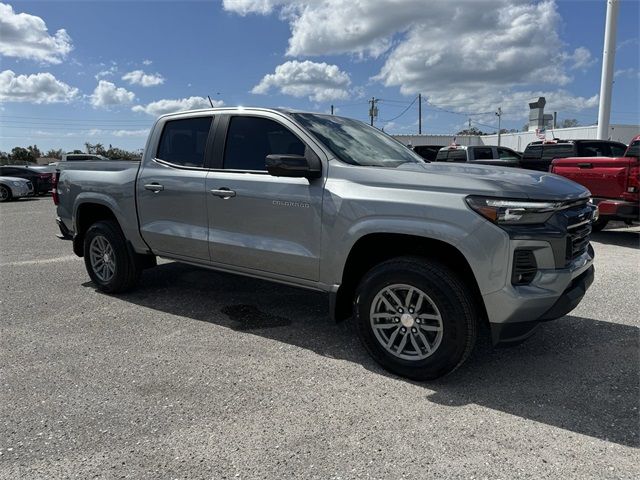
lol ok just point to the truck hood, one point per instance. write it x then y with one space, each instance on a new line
471 179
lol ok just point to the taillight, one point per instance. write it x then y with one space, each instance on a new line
633 183
54 188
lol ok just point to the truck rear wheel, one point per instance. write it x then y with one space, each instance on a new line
110 264
415 317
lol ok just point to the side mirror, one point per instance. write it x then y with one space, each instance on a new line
287 165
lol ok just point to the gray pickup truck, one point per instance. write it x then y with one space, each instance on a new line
419 254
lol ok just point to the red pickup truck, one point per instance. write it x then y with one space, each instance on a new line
614 182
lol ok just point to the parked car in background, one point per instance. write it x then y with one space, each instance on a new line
539 154
75 157
428 152
421 254
614 182
14 187
484 155
42 180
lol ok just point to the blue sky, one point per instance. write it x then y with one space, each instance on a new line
92 71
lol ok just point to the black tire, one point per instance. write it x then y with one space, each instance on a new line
5 194
599 224
450 295
127 267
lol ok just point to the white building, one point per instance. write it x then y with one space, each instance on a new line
519 141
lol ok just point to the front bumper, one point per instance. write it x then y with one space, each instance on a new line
515 311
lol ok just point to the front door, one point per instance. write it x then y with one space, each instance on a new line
171 191
257 221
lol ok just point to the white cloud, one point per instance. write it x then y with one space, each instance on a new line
147 62
95 132
319 81
106 73
581 59
458 54
627 73
35 88
138 77
26 36
106 94
163 106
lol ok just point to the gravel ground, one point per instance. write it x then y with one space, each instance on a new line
204 375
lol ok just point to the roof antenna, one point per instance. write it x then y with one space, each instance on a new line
210 102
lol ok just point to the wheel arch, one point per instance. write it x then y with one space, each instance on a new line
374 248
86 214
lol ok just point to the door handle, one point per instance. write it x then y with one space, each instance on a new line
154 187
223 193
585 165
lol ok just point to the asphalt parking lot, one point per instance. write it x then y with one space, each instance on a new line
204 375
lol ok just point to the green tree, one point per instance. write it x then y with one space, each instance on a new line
52 153
20 155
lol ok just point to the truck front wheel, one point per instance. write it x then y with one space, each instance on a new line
415 317
111 266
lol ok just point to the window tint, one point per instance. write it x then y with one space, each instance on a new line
442 156
183 141
634 149
594 149
457 156
550 152
482 153
617 150
533 152
251 139
506 153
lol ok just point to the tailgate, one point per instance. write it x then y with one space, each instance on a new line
604 177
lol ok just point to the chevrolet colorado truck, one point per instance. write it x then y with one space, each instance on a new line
419 254
614 182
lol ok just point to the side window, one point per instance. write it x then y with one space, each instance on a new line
183 142
457 156
533 152
617 150
441 156
251 139
482 153
558 151
593 149
505 153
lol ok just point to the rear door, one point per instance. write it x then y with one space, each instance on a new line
257 221
172 207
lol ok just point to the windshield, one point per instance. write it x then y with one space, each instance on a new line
356 143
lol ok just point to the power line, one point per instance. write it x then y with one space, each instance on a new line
403 112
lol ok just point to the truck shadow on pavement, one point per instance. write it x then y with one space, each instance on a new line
577 374
629 239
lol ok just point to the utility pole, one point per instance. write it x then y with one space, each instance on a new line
555 120
419 114
499 114
373 110
608 57
331 109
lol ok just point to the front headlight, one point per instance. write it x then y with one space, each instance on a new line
16 184
513 212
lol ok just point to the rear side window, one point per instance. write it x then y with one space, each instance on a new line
482 153
441 156
617 150
251 139
550 152
634 149
457 156
183 142
533 152
506 153
594 149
